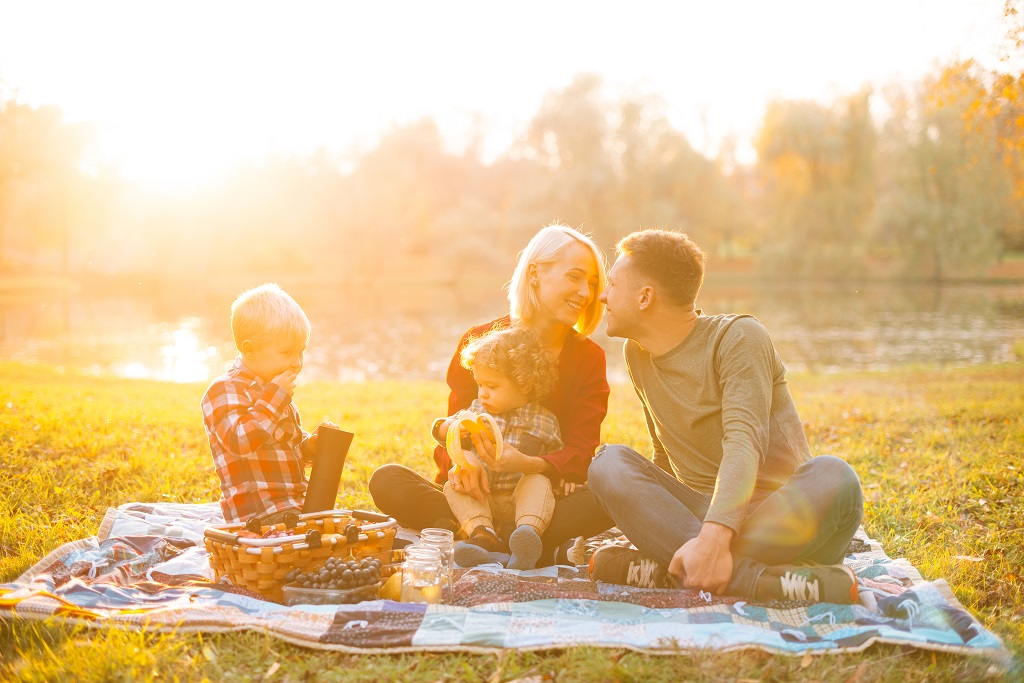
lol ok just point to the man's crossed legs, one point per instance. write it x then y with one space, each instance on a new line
809 521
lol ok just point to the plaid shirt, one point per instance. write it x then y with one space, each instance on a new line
255 435
531 429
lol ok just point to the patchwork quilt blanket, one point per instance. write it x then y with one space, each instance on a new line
147 568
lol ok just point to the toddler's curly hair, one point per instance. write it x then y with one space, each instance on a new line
516 353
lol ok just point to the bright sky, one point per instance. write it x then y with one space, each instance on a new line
182 90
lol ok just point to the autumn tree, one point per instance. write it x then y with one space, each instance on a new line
817 165
1004 109
40 157
946 197
614 165
573 180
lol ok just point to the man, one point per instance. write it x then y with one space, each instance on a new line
733 503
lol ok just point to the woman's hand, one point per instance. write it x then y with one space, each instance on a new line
512 460
471 481
566 488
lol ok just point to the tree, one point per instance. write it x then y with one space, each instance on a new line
573 176
39 163
946 196
412 208
817 165
614 165
1001 116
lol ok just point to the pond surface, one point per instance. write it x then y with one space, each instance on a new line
175 332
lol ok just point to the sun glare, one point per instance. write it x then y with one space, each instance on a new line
171 161
183 94
181 356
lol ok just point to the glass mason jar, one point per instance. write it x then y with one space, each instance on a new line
421 575
444 541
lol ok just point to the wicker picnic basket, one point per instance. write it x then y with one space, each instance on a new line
260 564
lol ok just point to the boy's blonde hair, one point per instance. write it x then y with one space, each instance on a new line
267 312
547 247
516 353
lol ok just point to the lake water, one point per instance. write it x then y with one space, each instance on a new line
175 332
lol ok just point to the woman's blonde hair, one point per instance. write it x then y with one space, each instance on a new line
547 247
267 312
516 353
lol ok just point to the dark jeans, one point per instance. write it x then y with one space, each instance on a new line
812 518
416 503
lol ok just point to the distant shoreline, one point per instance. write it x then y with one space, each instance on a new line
720 270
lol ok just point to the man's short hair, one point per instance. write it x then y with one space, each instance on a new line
671 258
546 247
267 312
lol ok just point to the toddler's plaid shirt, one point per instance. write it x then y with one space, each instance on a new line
255 435
531 429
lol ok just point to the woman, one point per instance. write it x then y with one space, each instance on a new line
554 291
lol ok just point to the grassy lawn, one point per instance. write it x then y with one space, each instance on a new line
939 452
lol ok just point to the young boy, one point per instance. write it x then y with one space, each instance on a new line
258 445
512 372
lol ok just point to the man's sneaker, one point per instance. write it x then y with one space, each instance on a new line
577 551
576 554
814 583
625 565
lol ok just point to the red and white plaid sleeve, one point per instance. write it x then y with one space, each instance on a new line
255 438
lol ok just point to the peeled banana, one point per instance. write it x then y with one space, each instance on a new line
474 423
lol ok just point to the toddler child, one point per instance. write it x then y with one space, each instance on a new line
258 444
513 372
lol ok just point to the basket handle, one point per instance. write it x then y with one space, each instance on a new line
222 536
367 516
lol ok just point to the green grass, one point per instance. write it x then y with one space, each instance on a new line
938 451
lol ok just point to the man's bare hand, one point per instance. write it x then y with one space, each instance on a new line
705 562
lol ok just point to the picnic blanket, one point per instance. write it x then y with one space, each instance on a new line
147 568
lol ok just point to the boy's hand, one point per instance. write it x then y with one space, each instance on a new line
286 380
309 445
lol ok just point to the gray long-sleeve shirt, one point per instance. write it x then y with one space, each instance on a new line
720 413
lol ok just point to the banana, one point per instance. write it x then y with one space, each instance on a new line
474 423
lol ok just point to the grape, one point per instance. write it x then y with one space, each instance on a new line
350 574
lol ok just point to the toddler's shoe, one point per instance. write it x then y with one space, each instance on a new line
526 547
814 583
483 546
449 524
